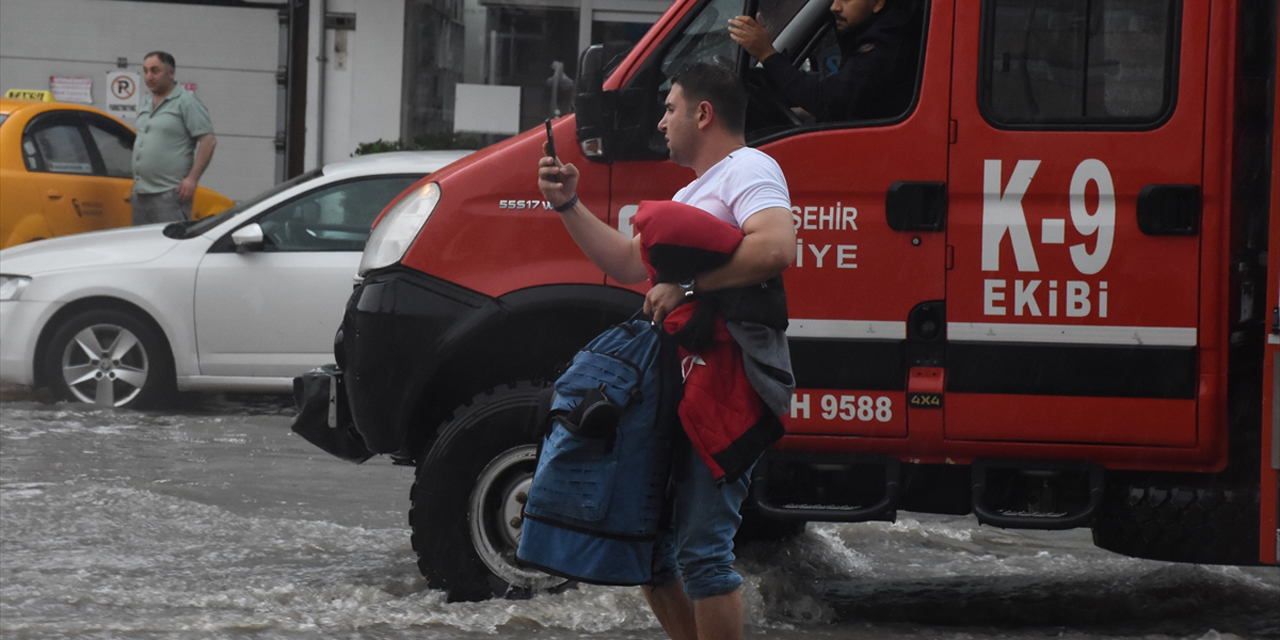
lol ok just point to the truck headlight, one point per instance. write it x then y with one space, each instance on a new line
11 286
396 231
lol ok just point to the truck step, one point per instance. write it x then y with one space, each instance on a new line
830 489
1030 494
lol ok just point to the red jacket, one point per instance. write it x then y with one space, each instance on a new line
721 412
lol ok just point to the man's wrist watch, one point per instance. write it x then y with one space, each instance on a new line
687 288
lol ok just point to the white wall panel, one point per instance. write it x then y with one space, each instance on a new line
361 102
230 53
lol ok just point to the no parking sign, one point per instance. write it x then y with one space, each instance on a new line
122 94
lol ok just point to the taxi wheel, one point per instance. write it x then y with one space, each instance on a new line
468 498
110 358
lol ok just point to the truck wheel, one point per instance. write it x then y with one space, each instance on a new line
468 497
1215 525
111 358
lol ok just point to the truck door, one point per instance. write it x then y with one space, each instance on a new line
867 200
864 292
1076 222
1269 506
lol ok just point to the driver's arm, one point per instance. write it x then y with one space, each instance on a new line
862 76
752 36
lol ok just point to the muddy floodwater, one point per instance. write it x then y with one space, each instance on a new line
212 520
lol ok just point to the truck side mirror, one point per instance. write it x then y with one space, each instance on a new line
590 104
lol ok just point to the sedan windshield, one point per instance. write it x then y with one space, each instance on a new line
192 228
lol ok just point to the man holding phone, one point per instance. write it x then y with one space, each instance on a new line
695 590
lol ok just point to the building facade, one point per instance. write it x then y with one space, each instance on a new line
293 84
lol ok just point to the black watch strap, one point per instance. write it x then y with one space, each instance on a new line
568 204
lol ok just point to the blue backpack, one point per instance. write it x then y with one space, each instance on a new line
598 498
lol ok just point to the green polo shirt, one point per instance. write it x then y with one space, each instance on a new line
167 134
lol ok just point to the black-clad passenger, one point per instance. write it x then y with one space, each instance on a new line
879 50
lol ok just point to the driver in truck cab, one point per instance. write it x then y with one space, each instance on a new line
879 48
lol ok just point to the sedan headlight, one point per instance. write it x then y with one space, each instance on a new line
396 231
11 286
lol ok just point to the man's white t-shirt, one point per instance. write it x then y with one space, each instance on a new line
743 183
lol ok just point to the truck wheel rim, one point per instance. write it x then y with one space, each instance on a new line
495 517
105 364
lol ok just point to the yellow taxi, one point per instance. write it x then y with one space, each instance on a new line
67 168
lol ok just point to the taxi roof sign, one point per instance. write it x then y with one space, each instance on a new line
30 94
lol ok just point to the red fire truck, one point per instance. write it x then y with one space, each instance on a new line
1042 294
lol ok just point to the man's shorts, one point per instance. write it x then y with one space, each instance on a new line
150 208
698 545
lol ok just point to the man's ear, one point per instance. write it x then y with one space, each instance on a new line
705 114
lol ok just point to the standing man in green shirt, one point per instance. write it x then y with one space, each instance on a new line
174 146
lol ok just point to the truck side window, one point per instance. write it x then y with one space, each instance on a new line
803 33
1063 62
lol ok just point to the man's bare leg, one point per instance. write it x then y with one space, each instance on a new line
715 618
720 617
674 610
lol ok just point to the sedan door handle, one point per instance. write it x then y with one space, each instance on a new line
53 195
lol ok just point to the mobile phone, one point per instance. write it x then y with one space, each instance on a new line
551 144
551 139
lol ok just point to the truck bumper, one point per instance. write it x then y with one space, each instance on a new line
323 417
395 334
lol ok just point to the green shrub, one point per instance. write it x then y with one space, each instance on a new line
435 140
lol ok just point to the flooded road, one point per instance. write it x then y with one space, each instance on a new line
213 520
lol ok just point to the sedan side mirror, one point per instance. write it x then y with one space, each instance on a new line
248 238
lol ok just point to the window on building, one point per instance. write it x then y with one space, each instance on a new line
618 38
533 45
433 66
535 49
1081 62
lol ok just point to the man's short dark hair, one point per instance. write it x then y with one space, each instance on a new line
164 56
719 86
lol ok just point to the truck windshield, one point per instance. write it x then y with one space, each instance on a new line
707 37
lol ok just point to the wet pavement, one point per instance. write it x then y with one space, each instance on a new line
213 520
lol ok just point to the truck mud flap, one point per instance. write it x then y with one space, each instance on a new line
1032 494
836 488
323 416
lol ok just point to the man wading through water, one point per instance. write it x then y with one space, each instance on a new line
695 591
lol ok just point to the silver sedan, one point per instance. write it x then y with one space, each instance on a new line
242 301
